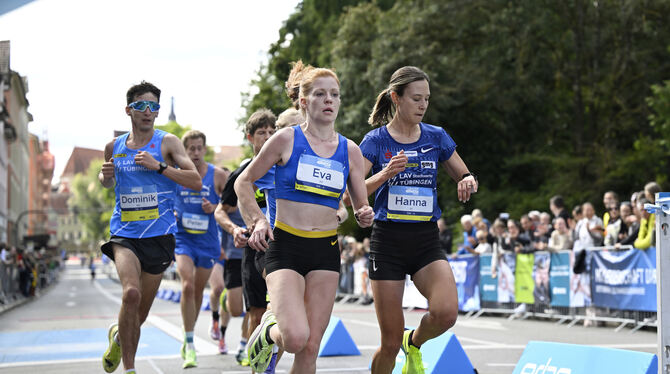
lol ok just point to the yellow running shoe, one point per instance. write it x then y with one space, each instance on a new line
189 361
112 356
413 360
222 300
259 348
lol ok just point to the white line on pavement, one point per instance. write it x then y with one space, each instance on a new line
155 367
204 347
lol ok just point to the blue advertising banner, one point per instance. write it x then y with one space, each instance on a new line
625 279
541 291
488 285
560 358
559 279
466 274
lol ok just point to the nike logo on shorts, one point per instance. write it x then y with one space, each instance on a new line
374 265
426 150
333 242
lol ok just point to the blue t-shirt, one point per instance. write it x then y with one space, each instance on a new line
411 195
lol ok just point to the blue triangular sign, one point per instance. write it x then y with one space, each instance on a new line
336 340
441 355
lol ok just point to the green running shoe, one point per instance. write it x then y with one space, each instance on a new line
112 356
189 361
222 300
242 357
413 360
182 351
259 349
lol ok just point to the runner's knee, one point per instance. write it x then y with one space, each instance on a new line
295 339
131 296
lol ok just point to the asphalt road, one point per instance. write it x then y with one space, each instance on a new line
64 331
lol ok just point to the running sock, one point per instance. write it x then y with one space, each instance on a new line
410 339
116 338
223 330
189 340
267 336
215 315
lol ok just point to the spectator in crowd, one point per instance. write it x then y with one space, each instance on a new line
610 199
346 265
483 245
477 213
615 226
560 238
650 191
545 218
646 237
541 236
534 216
557 207
360 266
498 247
589 229
469 232
516 240
481 226
527 226
444 236
576 217
632 222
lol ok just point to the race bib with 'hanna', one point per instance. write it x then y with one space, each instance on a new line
410 203
138 203
195 223
319 175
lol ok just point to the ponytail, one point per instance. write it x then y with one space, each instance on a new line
383 109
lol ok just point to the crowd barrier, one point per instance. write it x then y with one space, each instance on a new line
618 285
17 283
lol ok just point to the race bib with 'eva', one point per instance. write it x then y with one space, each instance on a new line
195 223
138 203
319 175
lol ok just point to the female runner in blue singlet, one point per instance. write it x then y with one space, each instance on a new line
404 155
314 165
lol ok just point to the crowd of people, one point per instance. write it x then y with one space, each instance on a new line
23 272
622 224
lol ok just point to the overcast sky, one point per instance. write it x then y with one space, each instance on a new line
81 56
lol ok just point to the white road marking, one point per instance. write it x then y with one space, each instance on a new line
155 367
203 346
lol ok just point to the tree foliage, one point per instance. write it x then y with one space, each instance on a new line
543 97
178 130
92 203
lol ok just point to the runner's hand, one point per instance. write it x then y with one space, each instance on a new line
396 165
240 237
207 206
466 187
108 169
364 216
145 159
260 235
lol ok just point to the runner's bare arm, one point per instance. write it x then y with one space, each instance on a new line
456 168
106 175
357 186
186 175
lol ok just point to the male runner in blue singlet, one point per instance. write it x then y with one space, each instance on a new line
141 166
197 238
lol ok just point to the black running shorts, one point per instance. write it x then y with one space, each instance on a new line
289 251
232 273
398 248
253 285
155 253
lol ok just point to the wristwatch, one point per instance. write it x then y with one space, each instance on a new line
161 167
469 175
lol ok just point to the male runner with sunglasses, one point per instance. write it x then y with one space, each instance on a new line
141 165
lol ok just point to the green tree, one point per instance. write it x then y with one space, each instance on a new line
178 130
92 203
